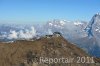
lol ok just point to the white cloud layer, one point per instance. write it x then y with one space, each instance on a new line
22 34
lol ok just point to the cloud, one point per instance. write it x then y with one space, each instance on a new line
22 34
13 35
50 32
27 34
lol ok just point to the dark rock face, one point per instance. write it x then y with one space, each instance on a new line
30 53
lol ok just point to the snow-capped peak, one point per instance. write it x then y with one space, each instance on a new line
93 24
62 22
50 24
96 16
56 23
77 23
97 13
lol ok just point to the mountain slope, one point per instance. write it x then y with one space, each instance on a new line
28 53
93 25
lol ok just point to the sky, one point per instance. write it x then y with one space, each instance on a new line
40 11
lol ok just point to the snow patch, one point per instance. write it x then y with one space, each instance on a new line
50 24
96 29
62 23
77 23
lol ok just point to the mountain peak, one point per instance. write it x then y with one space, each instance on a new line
89 27
97 14
93 23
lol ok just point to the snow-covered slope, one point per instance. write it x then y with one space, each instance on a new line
71 30
94 25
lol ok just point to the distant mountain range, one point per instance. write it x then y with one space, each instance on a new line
86 35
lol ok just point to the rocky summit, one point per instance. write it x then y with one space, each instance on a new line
50 50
